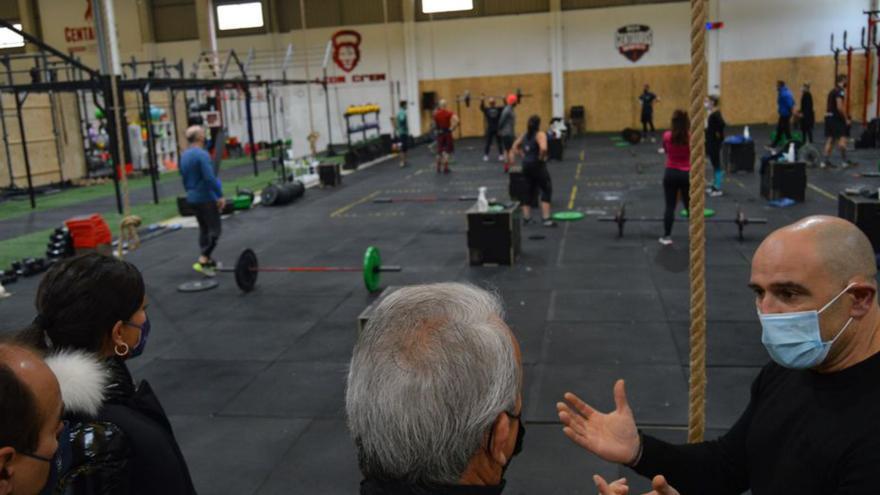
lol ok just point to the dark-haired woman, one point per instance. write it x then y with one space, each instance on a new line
676 179
97 304
532 146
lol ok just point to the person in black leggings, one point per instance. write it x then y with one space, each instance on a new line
676 179
532 146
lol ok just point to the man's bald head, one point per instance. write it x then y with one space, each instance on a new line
33 372
195 134
842 249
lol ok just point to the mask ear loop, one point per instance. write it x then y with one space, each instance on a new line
848 287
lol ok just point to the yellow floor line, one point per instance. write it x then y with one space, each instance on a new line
577 173
574 192
352 205
822 192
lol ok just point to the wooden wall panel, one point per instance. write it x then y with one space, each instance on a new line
610 96
73 161
537 85
42 153
749 87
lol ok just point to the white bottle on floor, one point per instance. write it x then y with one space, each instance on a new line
482 202
746 133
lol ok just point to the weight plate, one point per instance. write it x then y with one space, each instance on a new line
708 212
372 262
246 271
269 195
198 285
567 216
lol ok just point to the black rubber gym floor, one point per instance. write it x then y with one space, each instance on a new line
254 383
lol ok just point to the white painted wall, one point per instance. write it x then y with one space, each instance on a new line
756 29
490 46
589 36
486 46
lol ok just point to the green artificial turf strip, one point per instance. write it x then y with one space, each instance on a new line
76 195
34 244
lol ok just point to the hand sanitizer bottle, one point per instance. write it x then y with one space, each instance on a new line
482 202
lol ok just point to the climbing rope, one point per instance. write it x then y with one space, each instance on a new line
697 394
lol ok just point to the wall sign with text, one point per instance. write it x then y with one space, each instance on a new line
633 41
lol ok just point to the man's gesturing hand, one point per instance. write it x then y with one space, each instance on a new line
611 436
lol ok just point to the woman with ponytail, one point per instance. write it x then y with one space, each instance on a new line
532 147
124 444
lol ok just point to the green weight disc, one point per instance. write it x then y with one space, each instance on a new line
708 212
372 262
621 144
567 216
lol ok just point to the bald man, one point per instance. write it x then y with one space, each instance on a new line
811 426
204 195
30 421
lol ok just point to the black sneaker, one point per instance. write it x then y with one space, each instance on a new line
528 221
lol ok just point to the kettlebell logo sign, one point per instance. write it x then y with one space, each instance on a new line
633 41
346 49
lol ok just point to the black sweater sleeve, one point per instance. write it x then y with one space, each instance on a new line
717 467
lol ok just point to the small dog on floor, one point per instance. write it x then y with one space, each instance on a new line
128 232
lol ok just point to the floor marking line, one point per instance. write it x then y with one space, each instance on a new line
574 191
577 173
821 191
352 205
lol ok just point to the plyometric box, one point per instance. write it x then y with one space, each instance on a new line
493 237
784 180
864 212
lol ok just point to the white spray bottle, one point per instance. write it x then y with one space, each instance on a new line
482 202
746 133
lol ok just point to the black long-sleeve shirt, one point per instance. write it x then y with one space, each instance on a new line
802 433
715 130
808 114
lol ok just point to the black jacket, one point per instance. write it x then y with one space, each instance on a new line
808 114
128 447
374 487
715 131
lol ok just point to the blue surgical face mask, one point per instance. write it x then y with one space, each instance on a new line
794 340
142 343
60 462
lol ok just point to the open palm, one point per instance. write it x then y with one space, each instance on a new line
613 436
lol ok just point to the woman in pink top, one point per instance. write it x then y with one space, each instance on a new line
676 179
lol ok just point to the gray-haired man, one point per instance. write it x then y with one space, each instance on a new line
434 393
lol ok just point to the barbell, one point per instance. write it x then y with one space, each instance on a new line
247 267
741 220
423 199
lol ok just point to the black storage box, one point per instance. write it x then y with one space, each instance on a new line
784 180
493 237
351 160
330 174
864 212
738 157
518 188
183 207
554 149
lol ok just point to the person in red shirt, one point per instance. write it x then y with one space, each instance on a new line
446 122
676 179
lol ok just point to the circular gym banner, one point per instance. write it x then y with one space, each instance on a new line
633 41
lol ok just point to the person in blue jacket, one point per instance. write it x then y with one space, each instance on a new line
784 107
204 195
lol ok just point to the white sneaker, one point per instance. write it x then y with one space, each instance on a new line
665 241
716 193
500 158
485 158
661 151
